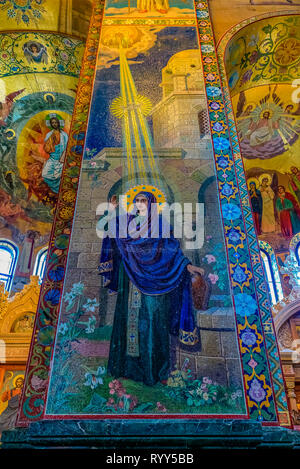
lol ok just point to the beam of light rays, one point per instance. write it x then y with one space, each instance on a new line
132 108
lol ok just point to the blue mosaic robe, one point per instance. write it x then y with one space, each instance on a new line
154 300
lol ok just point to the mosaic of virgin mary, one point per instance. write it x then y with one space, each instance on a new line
152 278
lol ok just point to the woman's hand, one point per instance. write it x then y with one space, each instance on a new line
193 269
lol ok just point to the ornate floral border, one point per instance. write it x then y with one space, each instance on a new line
252 334
33 397
67 50
262 45
259 277
257 377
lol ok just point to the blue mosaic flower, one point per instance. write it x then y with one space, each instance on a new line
56 274
239 275
223 162
91 305
91 325
202 14
226 190
52 296
234 236
248 338
69 297
245 304
92 380
215 106
213 91
231 211
221 144
25 18
256 391
63 328
77 149
77 289
11 13
61 68
218 127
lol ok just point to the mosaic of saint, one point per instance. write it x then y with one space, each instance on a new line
10 393
31 163
269 127
131 334
34 126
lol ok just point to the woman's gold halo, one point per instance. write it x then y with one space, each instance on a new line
129 196
265 176
253 179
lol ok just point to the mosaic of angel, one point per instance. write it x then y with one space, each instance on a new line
35 52
6 106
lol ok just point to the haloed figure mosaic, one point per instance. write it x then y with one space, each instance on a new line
130 336
153 279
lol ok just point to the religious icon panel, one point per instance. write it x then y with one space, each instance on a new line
147 323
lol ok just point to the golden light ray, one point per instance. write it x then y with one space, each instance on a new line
132 108
118 106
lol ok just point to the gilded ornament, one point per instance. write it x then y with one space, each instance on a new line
287 52
69 196
65 213
3 300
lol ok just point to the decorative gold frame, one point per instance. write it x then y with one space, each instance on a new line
15 345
